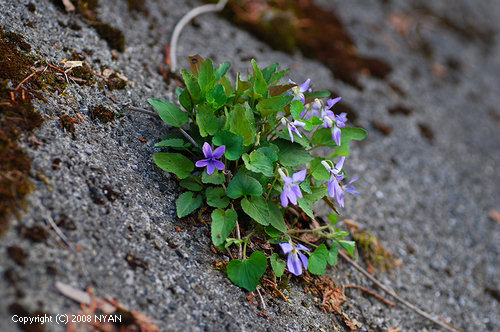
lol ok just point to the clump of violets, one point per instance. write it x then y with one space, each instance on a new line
295 259
211 161
261 132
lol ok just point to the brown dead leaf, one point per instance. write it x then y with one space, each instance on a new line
310 237
495 215
352 225
392 330
91 305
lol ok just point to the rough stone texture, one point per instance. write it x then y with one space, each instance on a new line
426 199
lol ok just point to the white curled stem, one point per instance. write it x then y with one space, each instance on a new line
184 21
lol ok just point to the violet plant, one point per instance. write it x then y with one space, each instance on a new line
252 144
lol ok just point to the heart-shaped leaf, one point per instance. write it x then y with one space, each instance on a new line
278 265
246 273
186 204
222 225
169 113
216 197
174 163
318 259
257 209
233 143
243 184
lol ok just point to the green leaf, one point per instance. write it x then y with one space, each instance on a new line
304 185
317 94
348 246
241 86
317 194
228 87
277 76
206 77
269 71
319 171
257 209
277 264
273 104
351 133
174 142
306 207
318 259
284 134
269 152
272 232
216 197
243 184
241 123
216 96
214 178
206 120
186 204
190 184
174 163
259 163
223 223
246 273
291 154
169 113
333 253
185 100
296 107
233 143
222 69
333 218
342 150
259 85
323 137
276 217
191 84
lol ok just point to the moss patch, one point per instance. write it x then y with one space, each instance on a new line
17 116
289 24
101 113
87 10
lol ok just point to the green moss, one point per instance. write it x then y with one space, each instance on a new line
113 36
68 123
373 251
115 82
17 116
101 113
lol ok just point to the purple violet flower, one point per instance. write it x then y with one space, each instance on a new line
328 116
292 127
335 187
291 190
298 91
211 162
295 259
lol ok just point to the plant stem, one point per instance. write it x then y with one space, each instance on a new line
317 229
184 21
245 248
306 242
190 139
271 188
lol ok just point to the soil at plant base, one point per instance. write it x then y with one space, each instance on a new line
427 185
